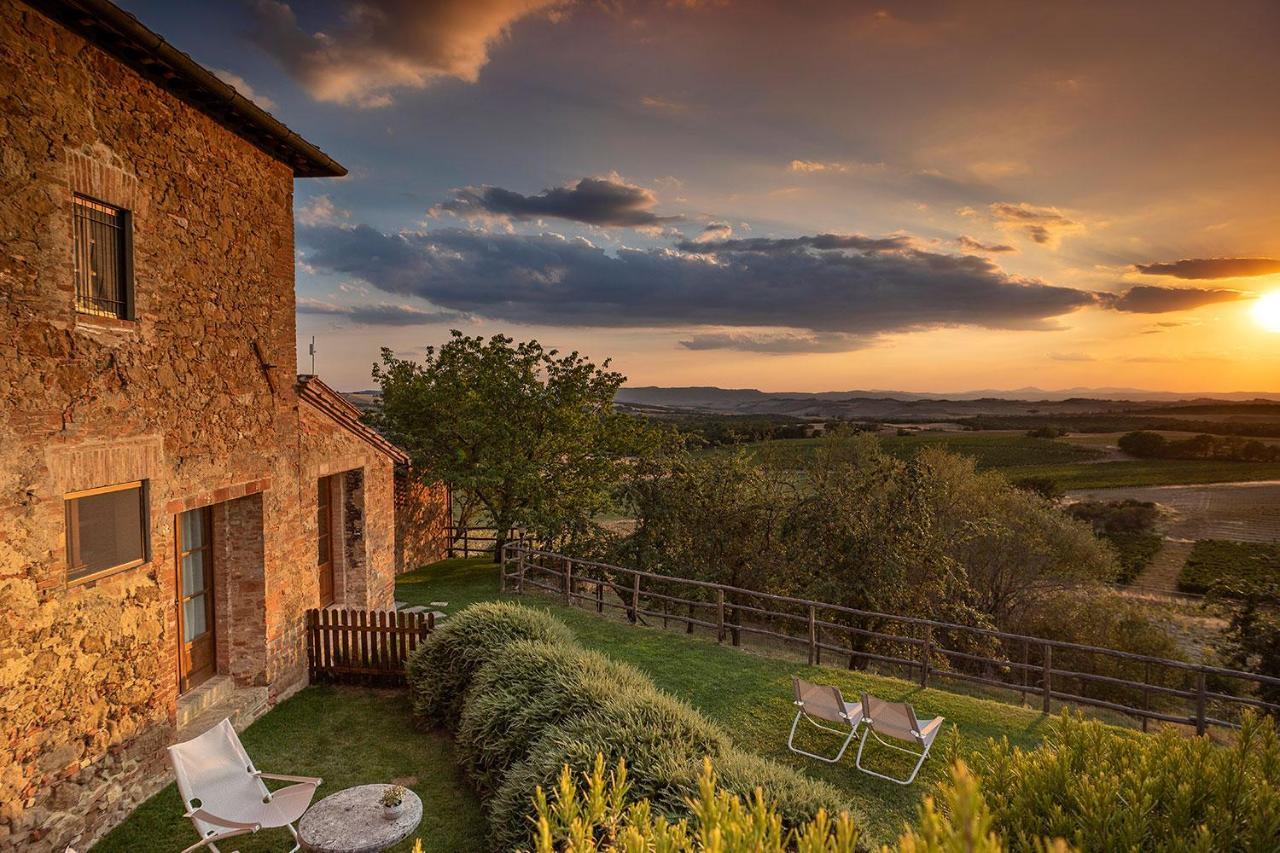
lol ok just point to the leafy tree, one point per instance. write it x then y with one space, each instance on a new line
1251 640
1143 444
529 433
716 517
1015 547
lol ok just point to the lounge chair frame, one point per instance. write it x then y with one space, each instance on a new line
922 734
834 706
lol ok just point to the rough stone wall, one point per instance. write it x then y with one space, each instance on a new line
178 398
364 540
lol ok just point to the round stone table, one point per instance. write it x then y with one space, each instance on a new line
351 821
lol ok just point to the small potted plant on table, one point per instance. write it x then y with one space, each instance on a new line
392 802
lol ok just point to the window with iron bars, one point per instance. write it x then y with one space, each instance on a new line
103 258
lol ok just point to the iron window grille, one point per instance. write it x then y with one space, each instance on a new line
103 258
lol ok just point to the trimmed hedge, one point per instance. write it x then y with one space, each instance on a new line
526 701
661 739
440 671
529 688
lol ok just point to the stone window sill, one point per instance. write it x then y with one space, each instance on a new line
93 322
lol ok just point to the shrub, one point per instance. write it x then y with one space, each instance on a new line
601 817
531 687
795 797
440 671
660 738
1100 618
1045 487
1102 789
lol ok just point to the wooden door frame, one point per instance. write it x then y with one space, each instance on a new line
210 595
326 485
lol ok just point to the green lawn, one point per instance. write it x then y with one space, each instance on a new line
351 736
749 693
347 736
1071 466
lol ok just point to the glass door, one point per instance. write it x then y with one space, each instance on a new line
197 657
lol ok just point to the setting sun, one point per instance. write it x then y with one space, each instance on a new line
1267 311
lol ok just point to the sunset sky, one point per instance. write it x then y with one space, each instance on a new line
924 196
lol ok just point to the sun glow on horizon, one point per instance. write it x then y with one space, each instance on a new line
1266 311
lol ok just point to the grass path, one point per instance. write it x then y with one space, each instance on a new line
749 694
1163 570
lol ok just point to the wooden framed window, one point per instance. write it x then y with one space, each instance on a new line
103 253
106 530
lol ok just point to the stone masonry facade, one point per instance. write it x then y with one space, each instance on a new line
196 397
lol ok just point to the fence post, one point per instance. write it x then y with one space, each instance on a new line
1146 693
635 598
599 597
719 615
813 637
466 543
1048 677
1201 700
927 653
568 580
502 570
1026 661
520 569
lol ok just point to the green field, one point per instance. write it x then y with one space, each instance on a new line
1212 560
1071 466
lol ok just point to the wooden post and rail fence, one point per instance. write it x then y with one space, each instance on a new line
925 650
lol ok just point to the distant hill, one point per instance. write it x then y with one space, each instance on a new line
904 405
879 405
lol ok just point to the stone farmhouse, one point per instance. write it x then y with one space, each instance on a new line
173 497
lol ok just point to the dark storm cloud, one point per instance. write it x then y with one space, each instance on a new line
777 344
883 287
821 242
1199 268
592 201
973 245
1148 299
384 45
381 314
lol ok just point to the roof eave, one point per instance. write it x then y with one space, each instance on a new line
124 37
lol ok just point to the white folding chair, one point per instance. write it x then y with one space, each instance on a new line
225 796
820 702
897 720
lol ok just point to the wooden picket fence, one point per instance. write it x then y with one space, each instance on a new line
363 646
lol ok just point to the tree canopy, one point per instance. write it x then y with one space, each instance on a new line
527 433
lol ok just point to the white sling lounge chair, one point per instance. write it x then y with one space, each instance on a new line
897 720
820 702
224 794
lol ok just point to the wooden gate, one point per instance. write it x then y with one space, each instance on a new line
363 646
